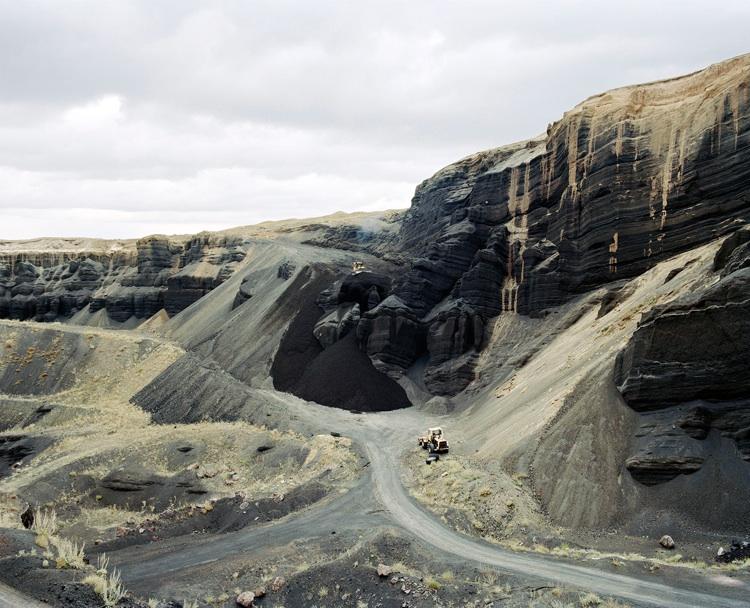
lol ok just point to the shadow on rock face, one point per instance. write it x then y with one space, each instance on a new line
341 375
16 449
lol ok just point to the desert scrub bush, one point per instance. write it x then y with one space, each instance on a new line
108 585
433 584
560 604
448 576
45 522
589 599
69 553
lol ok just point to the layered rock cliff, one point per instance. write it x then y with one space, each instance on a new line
624 180
686 370
47 281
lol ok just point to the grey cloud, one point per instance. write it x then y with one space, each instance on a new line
363 100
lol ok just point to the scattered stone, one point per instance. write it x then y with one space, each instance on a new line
667 542
277 584
207 472
286 270
259 592
384 570
245 599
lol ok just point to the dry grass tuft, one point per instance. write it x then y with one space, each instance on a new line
590 599
108 585
45 522
69 553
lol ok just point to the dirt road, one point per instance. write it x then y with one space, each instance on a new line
380 498
10 598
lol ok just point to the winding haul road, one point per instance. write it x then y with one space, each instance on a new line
380 498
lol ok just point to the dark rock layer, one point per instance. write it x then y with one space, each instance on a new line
686 365
341 375
157 273
696 347
623 181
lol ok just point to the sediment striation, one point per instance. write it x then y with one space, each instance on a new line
624 180
127 279
685 368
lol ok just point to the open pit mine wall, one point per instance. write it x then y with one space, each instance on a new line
155 273
621 182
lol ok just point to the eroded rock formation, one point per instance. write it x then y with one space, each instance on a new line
621 182
686 368
127 278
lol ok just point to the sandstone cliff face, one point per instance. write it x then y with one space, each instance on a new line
127 279
621 182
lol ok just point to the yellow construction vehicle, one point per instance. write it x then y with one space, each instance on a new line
358 266
434 441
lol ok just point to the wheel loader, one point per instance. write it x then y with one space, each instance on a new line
434 441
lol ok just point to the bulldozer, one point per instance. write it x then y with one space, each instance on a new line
358 266
434 441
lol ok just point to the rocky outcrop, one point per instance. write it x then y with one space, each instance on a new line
374 235
696 347
44 287
320 358
391 335
127 279
454 340
244 293
686 366
621 182
336 324
285 270
134 486
663 450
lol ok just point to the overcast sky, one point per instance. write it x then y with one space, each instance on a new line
126 118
